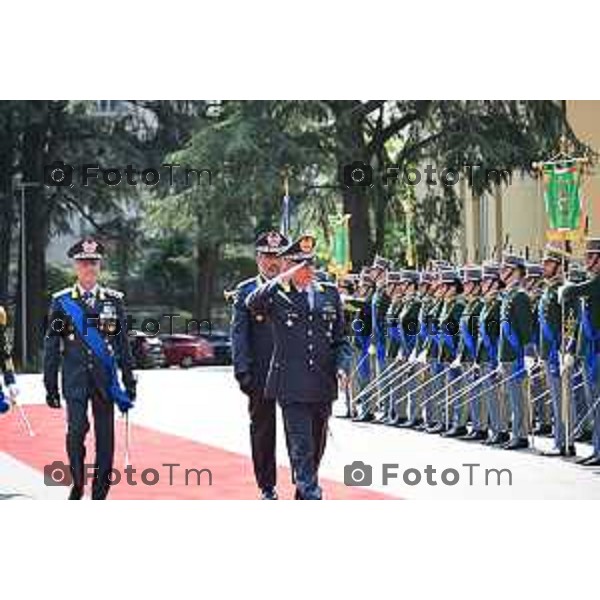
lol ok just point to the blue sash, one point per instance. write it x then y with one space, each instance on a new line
490 348
467 338
591 336
550 336
91 337
513 340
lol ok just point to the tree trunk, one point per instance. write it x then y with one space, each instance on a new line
350 147
6 226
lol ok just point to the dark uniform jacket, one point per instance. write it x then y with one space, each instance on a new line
408 322
449 335
549 320
81 372
489 330
6 365
516 319
251 338
469 322
588 293
309 344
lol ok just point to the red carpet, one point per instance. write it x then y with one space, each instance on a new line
232 475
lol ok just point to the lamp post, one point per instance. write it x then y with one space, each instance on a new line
19 184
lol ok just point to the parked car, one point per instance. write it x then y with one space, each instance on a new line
147 351
187 350
221 345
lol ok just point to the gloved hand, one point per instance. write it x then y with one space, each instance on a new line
13 392
455 364
53 399
567 362
245 382
422 358
413 356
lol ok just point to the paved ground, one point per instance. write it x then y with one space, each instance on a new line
198 418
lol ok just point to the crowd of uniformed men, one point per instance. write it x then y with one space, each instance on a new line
497 353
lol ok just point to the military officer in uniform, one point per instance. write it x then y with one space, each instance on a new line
588 339
534 286
252 347
550 321
487 355
87 337
311 353
6 366
467 350
515 334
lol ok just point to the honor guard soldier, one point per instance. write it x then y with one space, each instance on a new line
588 339
252 348
408 329
467 350
395 292
310 353
454 306
427 287
582 422
6 366
362 329
87 337
487 355
515 334
550 322
534 286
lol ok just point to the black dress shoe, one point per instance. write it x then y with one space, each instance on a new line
516 444
455 432
592 461
475 436
364 418
269 493
438 428
411 424
76 493
543 430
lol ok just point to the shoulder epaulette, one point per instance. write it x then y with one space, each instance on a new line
246 283
113 293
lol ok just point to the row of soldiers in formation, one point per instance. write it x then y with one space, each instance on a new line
498 353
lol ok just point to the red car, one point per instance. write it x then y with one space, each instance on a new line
186 350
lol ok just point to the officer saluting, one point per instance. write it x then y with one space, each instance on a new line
87 336
252 347
310 353
6 366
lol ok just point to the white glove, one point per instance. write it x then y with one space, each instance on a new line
13 392
455 364
529 362
422 358
413 356
568 361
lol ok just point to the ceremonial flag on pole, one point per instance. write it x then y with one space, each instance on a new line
562 196
339 251
286 207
